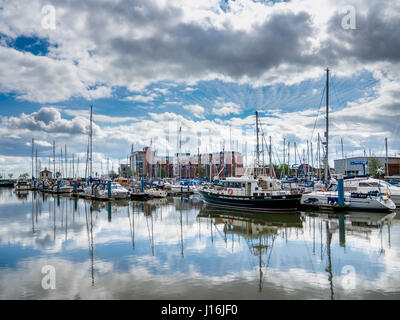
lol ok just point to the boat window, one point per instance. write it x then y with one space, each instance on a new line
332 187
368 184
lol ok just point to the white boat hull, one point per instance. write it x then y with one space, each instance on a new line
156 193
329 199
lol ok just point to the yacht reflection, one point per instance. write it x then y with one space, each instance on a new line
352 224
258 230
22 195
187 203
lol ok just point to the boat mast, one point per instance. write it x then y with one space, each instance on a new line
270 157
327 129
54 159
387 163
295 157
289 167
91 142
33 145
258 144
318 155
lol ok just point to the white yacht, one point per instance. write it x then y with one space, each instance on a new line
117 191
64 188
180 188
22 185
365 185
371 200
156 193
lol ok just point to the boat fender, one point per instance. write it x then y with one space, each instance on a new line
137 191
230 191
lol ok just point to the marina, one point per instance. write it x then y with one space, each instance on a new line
207 151
180 248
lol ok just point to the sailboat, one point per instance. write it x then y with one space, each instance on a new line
328 198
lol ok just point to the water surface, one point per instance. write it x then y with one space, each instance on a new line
178 248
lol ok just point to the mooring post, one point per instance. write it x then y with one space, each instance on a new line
142 185
109 211
75 187
340 191
58 186
342 231
109 189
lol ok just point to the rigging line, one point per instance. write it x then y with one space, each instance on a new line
268 260
340 102
316 119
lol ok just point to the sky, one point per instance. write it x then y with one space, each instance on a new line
149 67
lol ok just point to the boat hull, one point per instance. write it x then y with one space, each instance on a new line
324 200
281 203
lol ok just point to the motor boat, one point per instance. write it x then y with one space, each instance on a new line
22 185
366 184
251 193
63 188
371 200
155 193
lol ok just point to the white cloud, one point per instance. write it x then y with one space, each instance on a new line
226 108
141 98
197 110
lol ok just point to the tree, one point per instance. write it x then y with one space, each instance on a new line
1 176
375 167
163 172
10 175
24 175
199 172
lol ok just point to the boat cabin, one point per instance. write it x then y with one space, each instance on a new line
249 186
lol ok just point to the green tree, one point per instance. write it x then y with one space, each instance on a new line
375 167
199 172
10 175
163 172
24 175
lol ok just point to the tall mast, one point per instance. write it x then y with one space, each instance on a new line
387 163
288 159
327 128
312 159
308 158
91 142
66 162
270 157
33 145
54 158
295 157
262 151
318 155
284 158
36 166
258 144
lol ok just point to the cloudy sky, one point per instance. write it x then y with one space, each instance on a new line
150 66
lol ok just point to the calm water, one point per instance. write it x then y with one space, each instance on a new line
181 249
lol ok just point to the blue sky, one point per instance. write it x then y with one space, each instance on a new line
206 66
